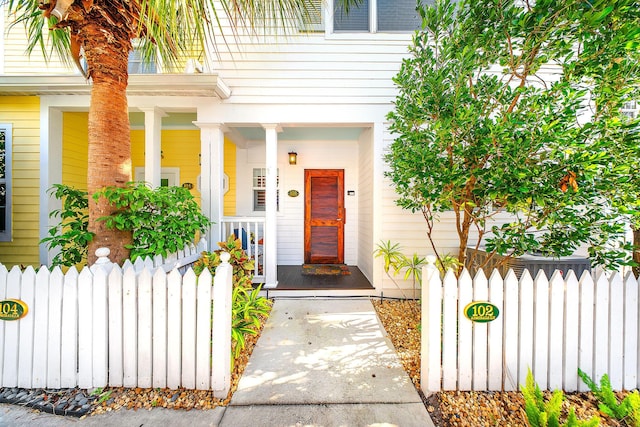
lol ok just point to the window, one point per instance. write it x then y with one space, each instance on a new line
315 21
391 15
259 189
136 63
5 182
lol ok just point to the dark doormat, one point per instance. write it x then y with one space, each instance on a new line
325 270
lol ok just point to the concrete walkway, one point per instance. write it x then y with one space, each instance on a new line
324 362
318 362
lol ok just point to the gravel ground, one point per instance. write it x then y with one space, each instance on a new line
466 409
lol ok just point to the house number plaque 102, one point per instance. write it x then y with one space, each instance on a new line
13 309
481 311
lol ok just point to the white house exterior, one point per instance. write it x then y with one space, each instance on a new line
322 94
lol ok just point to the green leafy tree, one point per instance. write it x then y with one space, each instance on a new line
514 107
103 30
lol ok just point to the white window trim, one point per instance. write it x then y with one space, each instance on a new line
6 236
366 35
172 175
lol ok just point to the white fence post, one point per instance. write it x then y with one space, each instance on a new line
69 330
160 329
3 290
12 333
189 330
25 358
221 334
431 327
630 332
449 329
145 335
85 329
203 328
496 331
41 332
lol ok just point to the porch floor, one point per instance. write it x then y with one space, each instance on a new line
290 277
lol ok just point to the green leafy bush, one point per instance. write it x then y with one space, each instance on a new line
162 220
547 414
248 308
71 235
628 410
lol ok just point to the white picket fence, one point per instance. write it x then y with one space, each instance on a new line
552 326
118 327
181 259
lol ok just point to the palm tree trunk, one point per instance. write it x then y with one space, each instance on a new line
109 133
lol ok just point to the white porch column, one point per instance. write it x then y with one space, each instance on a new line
152 145
211 175
271 205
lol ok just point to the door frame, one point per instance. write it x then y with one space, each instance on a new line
338 222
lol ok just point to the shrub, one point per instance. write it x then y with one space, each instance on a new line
162 220
627 410
71 235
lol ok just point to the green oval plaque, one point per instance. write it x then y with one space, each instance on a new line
481 311
293 193
13 309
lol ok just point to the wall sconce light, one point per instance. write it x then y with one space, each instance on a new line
187 185
293 157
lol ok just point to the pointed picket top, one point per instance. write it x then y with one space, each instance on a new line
586 278
449 277
526 277
15 270
116 271
138 264
480 277
541 276
615 278
630 278
555 277
158 274
601 276
126 265
205 276
3 269
86 274
570 276
188 275
465 275
495 275
202 245
148 262
97 273
175 274
192 249
57 273
511 276
42 275
71 273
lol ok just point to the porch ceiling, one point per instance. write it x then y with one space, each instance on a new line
209 85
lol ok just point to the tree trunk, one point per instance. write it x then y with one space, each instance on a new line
109 132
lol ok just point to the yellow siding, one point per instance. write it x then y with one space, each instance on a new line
180 149
17 61
75 142
230 170
23 113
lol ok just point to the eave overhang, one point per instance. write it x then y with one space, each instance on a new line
199 85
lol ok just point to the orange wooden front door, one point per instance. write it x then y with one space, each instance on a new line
324 216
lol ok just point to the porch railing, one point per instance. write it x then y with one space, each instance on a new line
250 230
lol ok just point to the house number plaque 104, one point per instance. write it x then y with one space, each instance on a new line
481 311
13 309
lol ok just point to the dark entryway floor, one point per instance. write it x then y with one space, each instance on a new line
290 277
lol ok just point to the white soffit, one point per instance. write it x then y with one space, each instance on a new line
204 85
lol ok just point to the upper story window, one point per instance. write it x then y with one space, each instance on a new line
377 16
5 182
137 65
